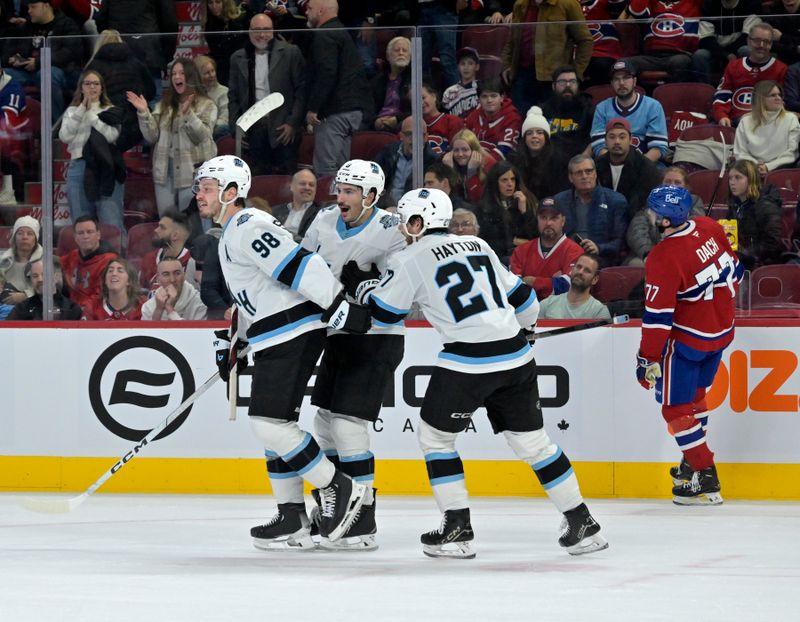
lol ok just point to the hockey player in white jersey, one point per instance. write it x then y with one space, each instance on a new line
355 238
286 297
480 310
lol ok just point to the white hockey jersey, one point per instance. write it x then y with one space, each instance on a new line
279 287
470 298
373 241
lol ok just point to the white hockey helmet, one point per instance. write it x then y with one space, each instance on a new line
364 174
227 170
431 204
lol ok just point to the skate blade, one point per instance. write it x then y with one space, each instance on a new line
354 505
461 550
711 498
589 544
295 542
355 543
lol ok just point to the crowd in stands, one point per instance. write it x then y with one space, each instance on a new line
547 122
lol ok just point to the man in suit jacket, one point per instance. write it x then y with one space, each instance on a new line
297 215
267 65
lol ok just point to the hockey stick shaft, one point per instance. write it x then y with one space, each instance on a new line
721 174
60 506
617 319
233 359
259 110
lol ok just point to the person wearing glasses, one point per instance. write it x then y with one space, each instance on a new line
464 222
733 98
570 113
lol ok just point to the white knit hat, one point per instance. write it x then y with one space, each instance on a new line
535 119
26 221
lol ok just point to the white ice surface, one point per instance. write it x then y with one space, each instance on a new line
149 558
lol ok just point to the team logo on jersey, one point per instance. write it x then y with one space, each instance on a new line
743 98
243 219
134 381
668 25
389 220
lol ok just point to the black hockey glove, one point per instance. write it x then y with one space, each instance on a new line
222 347
347 316
359 283
530 333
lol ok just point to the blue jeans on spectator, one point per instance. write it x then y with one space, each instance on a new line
433 14
61 80
108 210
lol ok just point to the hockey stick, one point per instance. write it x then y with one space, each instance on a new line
61 506
721 173
259 110
617 319
233 361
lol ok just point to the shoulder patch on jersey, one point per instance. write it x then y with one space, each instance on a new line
243 219
390 220
277 222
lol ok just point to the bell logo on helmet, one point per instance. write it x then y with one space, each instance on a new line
672 198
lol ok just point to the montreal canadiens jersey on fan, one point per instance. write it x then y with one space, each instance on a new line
279 287
373 241
691 280
467 295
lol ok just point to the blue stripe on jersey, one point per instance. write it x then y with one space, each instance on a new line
543 463
437 481
270 454
344 232
287 475
450 455
558 480
384 314
690 436
365 456
276 273
738 273
303 444
300 270
531 299
317 317
483 360
662 319
311 464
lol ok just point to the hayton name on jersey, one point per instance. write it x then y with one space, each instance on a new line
453 248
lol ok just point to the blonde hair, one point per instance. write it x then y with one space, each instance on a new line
105 102
469 137
230 10
749 170
759 111
104 38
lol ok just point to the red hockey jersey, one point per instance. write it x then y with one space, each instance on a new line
673 26
734 96
83 275
605 36
500 132
691 280
441 128
529 260
101 311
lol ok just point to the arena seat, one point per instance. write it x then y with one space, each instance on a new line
616 282
273 188
366 145
688 96
785 178
775 286
139 241
702 183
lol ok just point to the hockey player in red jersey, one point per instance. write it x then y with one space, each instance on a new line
691 280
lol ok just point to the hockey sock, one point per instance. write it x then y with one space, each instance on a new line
689 434
351 436
324 435
551 466
445 470
287 486
296 447
700 408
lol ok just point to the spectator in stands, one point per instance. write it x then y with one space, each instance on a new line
90 128
643 235
136 17
122 72
5 308
169 240
84 266
268 65
297 215
464 222
121 297
791 87
577 302
439 175
222 22
173 300
25 248
471 162
671 36
390 89
506 211
785 21
495 122
545 262
461 98
723 34
207 68
438 13
606 39
441 125
757 210
14 138
624 169
32 308
335 84
570 113
181 131
596 215
734 93
21 56
543 168
768 135
645 115
555 33
395 159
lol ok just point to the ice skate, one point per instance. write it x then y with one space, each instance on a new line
452 539
580 533
681 473
288 529
702 489
360 536
339 504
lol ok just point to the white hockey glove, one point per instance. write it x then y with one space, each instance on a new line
647 371
347 316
